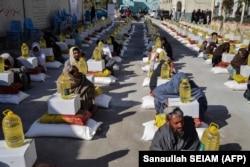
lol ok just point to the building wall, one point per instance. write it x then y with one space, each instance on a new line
10 10
188 5
40 11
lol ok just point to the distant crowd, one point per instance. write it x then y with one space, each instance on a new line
201 16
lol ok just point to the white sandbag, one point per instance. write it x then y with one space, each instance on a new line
208 61
103 100
117 59
148 102
200 55
219 70
13 98
235 85
149 130
146 82
146 68
64 130
145 59
54 64
38 77
105 80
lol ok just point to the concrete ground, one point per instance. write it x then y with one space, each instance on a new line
118 142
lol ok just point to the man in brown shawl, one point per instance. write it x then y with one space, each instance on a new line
177 134
81 85
217 54
239 59
209 50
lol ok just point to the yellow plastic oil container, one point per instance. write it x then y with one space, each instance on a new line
185 91
65 87
62 37
232 49
25 50
100 45
97 54
12 129
1 64
50 58
82 66
211 138
109 41
165 70
162 55
42 43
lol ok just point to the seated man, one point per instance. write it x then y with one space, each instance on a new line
170 89
203 46
167 47
109 62
74 56
82 86
41 57
20 73
217 54
209 50
157 72
156 55
239 59
214 38
56 50
177 134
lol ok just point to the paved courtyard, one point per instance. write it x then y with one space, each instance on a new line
118 142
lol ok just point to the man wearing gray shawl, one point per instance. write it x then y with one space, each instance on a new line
178 134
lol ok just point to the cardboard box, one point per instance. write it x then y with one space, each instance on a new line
30 62
57 105
227 57
245 70
190 109
24 156
6 78
161 81
95 65
91 78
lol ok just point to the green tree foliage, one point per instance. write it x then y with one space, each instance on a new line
227 6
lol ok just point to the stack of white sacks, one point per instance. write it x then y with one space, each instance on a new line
69 111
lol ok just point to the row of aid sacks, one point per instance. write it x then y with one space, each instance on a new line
192 36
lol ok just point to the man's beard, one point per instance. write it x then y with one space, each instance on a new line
179 134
